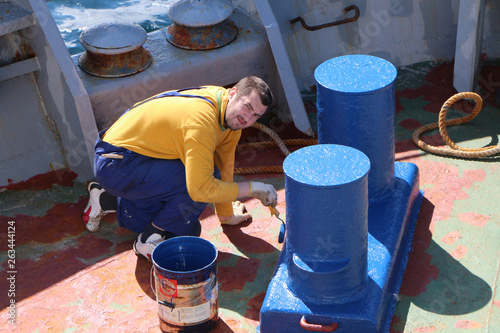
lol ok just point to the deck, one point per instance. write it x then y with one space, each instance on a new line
67 279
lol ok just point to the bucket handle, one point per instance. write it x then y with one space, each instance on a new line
172 305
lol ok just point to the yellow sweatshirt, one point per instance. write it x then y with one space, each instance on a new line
189 129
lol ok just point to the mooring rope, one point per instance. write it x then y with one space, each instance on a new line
282 144
269 144
454 149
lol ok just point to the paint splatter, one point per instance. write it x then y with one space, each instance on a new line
474 219
467 324
447 187
424 329
459 252
451 237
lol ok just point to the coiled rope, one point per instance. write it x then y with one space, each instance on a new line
282 144
454 149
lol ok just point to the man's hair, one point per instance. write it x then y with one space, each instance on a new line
246 85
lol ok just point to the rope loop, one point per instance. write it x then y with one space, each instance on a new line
454 149
282 144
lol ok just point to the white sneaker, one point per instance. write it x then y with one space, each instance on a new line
145 249
93 213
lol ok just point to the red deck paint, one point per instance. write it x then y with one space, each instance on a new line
63 177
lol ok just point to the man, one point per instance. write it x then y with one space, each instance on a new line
164 159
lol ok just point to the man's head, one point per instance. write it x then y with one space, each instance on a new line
249 99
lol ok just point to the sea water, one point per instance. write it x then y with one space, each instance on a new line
73 16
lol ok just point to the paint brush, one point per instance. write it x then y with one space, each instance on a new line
276 213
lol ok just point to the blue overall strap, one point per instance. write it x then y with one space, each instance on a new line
170 94
221 121
177 93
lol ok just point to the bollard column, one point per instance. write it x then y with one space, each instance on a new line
332 275
327 225
356 106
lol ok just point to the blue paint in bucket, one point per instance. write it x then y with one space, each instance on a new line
185 274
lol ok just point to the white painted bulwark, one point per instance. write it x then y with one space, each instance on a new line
14 18
469 44
64 94
45 115
402 32
285 69
19 68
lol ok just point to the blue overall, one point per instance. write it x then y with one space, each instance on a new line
149 189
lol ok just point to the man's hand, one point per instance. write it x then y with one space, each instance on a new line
239 214
265 193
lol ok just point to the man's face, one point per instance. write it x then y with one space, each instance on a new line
243 111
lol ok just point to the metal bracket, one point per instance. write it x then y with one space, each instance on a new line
327 25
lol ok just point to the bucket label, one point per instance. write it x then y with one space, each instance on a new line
185 315
168 287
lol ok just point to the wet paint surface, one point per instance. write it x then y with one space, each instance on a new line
71 280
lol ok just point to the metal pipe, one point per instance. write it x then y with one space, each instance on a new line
331 24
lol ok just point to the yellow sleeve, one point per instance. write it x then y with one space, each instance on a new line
202 186
224 160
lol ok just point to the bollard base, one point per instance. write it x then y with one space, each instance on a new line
391 223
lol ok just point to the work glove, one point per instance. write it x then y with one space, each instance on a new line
265 193
239 214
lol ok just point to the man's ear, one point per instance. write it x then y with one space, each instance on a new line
232 92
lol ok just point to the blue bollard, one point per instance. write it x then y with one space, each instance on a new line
322 280
356 106
327 238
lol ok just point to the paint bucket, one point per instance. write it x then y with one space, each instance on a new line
185 274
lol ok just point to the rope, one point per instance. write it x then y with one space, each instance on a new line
260 169
454 149
277 142
273 135
268 144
